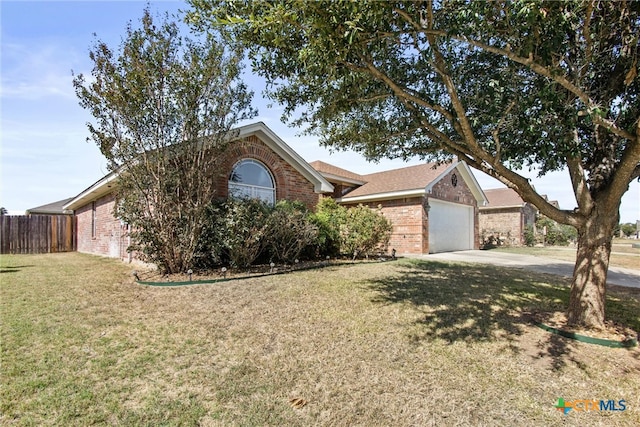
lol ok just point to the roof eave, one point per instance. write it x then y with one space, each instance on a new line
341 179
486 208
383 196
101 188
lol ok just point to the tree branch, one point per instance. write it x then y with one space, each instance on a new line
496 132
579 183
591 106
397 90
440 67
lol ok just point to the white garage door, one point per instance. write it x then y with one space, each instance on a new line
450 227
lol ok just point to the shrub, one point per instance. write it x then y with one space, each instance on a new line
290 231
237 233
363 231
328 218
557 234
529 236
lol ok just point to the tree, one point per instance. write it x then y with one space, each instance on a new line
164 107
3 211
628 229
501 85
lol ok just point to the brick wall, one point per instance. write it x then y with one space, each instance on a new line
445 190
410 222
507 224
410 229
110 237
290 184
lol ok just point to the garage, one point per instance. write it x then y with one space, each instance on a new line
451 226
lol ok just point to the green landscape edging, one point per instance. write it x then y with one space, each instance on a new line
223 279
629 343
228 279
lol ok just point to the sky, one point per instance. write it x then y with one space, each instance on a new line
44 155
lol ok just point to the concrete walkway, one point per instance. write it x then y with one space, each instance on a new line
616 276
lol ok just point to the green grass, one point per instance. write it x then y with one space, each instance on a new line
397 343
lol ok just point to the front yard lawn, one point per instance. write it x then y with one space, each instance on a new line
623 253
390 344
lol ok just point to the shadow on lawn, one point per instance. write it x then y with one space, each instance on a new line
12 269
475 303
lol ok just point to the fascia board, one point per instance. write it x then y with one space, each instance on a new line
100 188
472 183
341 179
383 196
488 208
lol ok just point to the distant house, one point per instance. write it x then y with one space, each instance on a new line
504 218
55 208
433 208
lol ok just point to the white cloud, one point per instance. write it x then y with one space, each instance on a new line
34 72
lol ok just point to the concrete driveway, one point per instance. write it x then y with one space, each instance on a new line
616 276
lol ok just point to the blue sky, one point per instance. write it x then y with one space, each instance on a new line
44 156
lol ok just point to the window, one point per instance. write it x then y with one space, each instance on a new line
251 179
94 217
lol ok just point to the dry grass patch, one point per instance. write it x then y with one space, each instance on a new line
397 343
622 254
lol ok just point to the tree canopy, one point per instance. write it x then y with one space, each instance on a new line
501 85
164 106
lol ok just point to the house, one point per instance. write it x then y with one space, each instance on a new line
55 208
432 207
257 163
505 217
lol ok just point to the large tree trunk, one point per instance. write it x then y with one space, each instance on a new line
588 290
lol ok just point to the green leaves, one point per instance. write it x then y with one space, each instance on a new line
163 108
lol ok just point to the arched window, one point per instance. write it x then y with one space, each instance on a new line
251 179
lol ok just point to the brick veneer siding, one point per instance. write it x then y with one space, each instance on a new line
507 224
410 221
409 225
290 184
111 235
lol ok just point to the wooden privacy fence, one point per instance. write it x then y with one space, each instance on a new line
37 234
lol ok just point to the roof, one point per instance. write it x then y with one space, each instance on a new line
54 208
503 198
106 184
403 179
409 181
336 174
